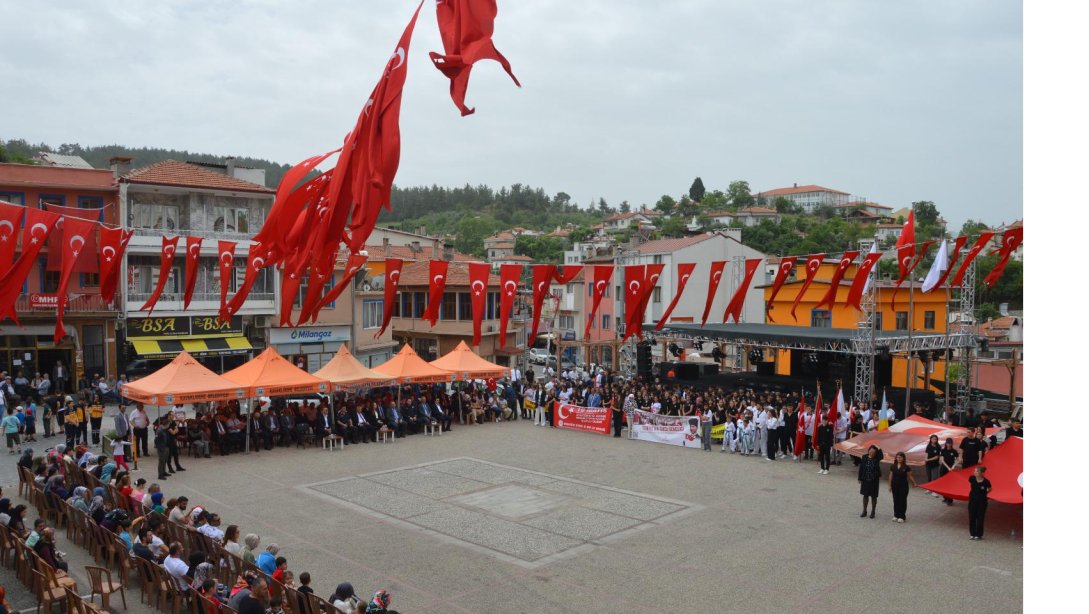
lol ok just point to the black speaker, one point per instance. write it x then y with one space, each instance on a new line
708 368
642 358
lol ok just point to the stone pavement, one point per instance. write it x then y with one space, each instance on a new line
515 518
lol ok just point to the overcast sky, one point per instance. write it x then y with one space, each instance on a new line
621 99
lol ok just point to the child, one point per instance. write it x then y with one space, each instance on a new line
276 606
119 452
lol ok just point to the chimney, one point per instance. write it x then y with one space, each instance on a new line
795 185
415 247
421 230
120 165
385 247
448 252
230 166
1004 309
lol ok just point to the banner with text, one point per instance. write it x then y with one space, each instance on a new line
675 430
592 419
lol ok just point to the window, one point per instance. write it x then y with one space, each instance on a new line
901 320
372 313
404 302
156 217
15 198
605 322
89 202
567 322
878 320
618 294
572 288
491 308
50 279
88 280
657 297
820 318
419 304
657 259
304 286
590 290
465 306
51 199
928 320
449 310
232 219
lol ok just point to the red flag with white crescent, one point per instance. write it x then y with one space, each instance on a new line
542 278
291 275
844 263
320 273
981 242
819 407
37 228
437 271
905 245
799 435
650 280
603 273
509 274
634 277
291 201
786 265
1011 240
225 256
351 268
858 286
712 286
904 273
77 232
87 262
958 245
393 279
261 256
563 275
111 246
166 262
192 267
466 28
737 303
812 265
684 271
11 216
478 294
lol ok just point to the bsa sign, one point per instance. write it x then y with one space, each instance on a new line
182 326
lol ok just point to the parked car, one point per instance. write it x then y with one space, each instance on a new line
138 368
539 356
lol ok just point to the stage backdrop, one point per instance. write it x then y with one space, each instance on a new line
676 430
592 419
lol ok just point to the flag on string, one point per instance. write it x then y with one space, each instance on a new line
351 268
77 233
812 265
981 242
786 266
509 274
717 267
291 201
437 270
738 300
87 262
37 228
166 262
603 273
957 246
862 280
393 278
844 263
225 256
261 255
910 267
1011 240
192 267
650 280
112 243
564 274
291 274
684 271
466 27
634 276
11 217
478 289
542 277
937 268
905 245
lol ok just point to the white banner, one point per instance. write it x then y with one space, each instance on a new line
675 430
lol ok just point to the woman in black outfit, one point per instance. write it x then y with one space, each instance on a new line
869 479
933 459
977 502
949 456
899 477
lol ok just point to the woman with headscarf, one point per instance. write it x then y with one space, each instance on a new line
27 459
379 604
81 497
107 472
97 508
344 598
201 572
157 503
55 485
5 511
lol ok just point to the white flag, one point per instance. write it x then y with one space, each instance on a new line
873 250
940 266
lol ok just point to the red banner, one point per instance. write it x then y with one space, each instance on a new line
438 270
509 274
393 278
478 288
192 268
591 419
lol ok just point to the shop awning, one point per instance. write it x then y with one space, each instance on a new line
197 346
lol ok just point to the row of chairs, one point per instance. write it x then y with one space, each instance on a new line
51 586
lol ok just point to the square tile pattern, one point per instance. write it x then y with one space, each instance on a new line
524 517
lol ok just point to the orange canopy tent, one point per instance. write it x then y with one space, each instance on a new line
344 372
184 380
466 364
408 368
272 375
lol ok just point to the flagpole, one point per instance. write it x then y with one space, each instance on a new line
911 325
948 355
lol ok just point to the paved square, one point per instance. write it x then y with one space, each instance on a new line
524 517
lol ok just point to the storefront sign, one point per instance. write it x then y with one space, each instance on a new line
182 326
43 301
310 334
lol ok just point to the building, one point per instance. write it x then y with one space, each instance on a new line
455 322
874 209
887 234
90 322
752 216
623 221
499 245
808 197
172 198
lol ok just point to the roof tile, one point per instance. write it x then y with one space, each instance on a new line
174 173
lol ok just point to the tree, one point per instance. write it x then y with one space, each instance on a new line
674 227
972 228
925 213
541 249
471 232
785 205
697 190
687 208
13 157
603 207
625 207
665 204
715 201
739 195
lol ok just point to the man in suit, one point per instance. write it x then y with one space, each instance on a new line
364 428
60 377
344 425
410 413
440 415
393 419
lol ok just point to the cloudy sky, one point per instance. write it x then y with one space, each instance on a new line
621 99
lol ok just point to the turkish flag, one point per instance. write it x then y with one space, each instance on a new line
603 273
509 274
958 244
1011 240
225 255
393 278
111 246
437 271
192 267
981 242
11 217
166 261
817 416
738 300
844 263
466 28
812 265
684 271
634 277
799 435
786 265
566 273
858 286
905 245
712 286
260 257
291 201
87 262
291 275
321 272
478 288
77 233
838 405
904 273
37 228
650 279
542 277
354 264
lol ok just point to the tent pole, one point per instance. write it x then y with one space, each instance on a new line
249 416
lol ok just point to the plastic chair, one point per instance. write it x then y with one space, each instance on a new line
102 584
77 605
47 595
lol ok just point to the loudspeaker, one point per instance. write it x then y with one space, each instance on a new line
642 358
707 369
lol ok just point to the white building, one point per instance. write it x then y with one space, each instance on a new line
808 197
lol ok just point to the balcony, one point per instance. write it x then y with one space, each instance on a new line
257 303
77 303
158 233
